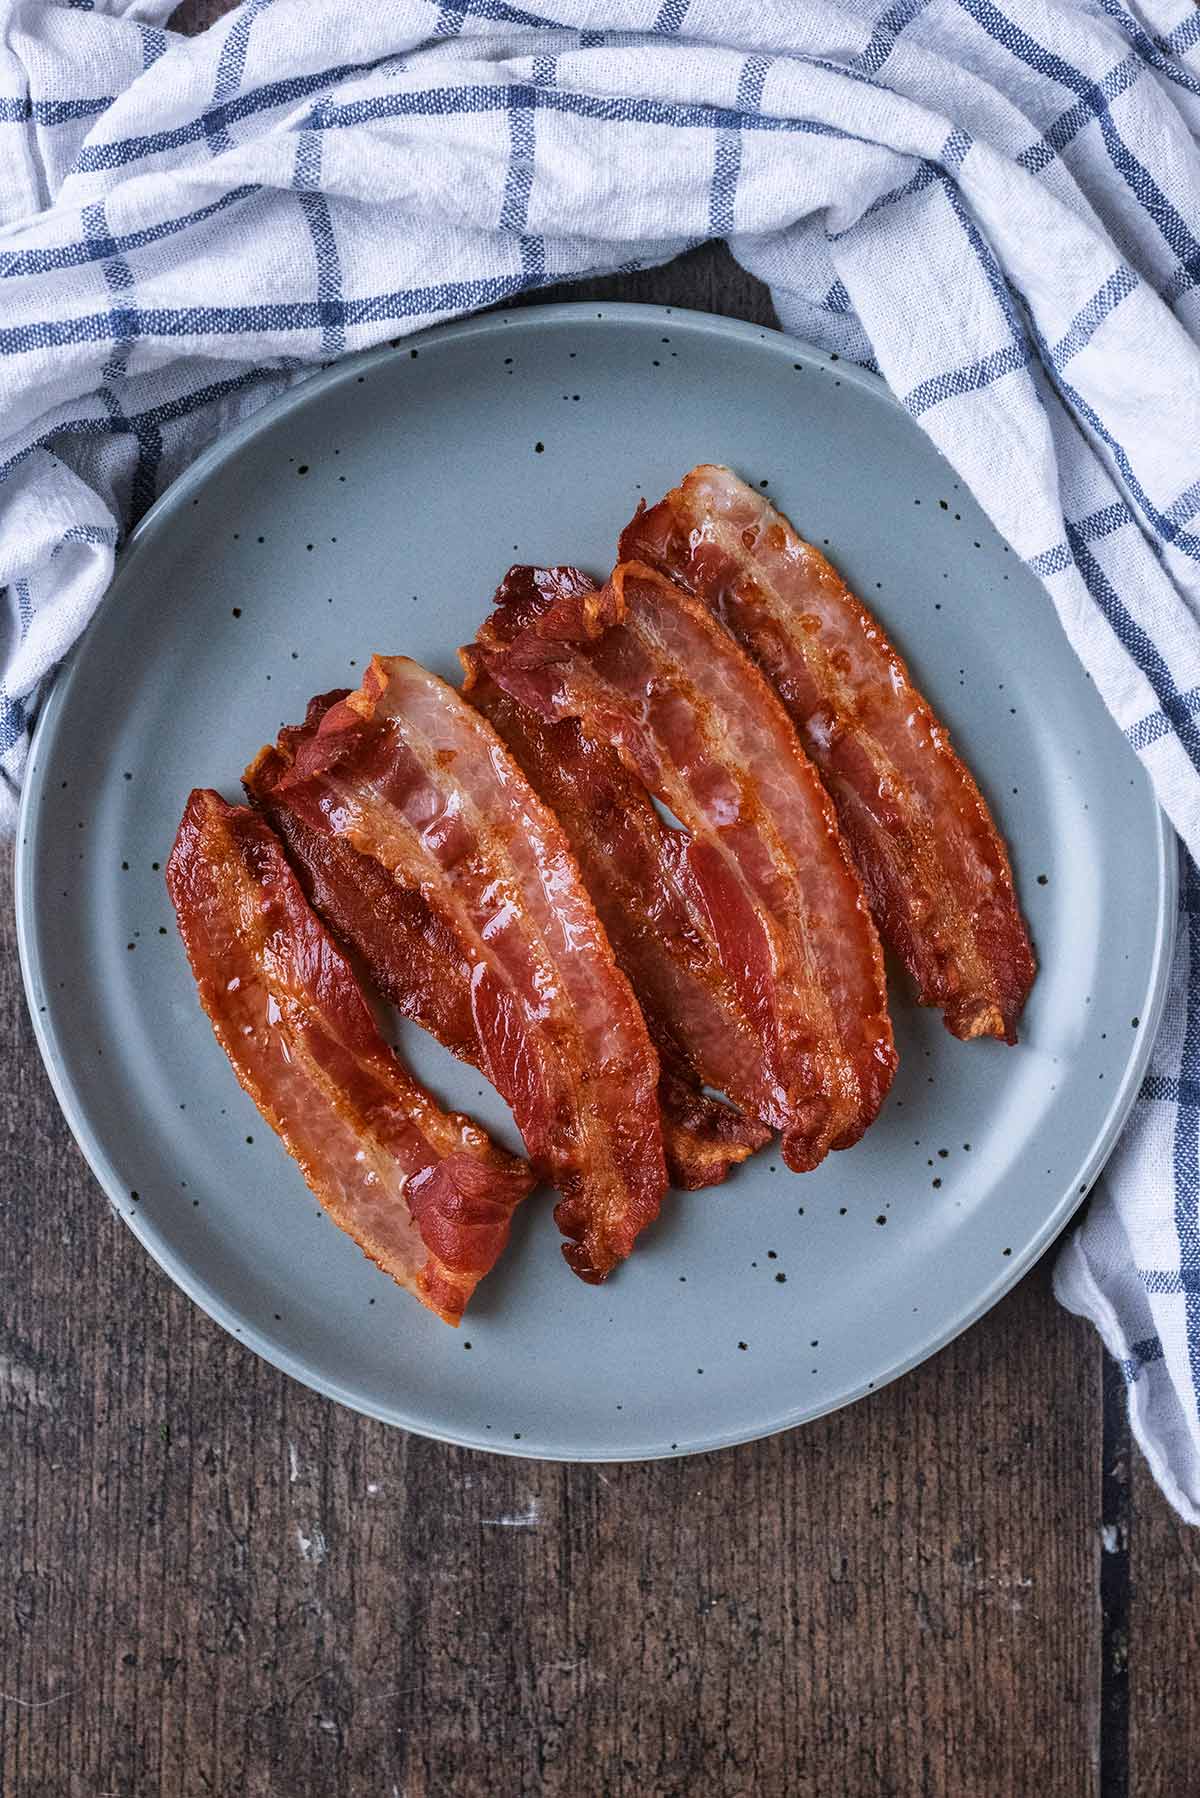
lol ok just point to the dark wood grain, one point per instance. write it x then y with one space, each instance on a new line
218 1583
1162 1646
196 15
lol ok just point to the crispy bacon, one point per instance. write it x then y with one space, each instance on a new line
415 958
619 842
934 864
423 1192
748 926
408 779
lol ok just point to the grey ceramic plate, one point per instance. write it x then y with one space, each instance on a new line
374 509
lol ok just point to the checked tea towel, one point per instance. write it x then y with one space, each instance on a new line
994 203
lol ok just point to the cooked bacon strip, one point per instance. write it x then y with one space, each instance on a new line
620 844
934 865
411 778
416 961
757 936
413 956
704 1138
423 1192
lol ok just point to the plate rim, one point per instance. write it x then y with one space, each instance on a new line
87 1139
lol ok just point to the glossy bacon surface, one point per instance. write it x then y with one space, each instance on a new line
423 1192
625 852
413 781
755 937
416 960
414 956
935 867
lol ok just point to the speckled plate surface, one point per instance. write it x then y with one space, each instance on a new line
375 509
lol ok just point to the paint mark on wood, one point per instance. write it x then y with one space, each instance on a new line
37 1704
17 1381
528 1519
313 1548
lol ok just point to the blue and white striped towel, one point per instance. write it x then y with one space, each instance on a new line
996 203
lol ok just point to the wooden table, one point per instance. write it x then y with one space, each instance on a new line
215 1582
